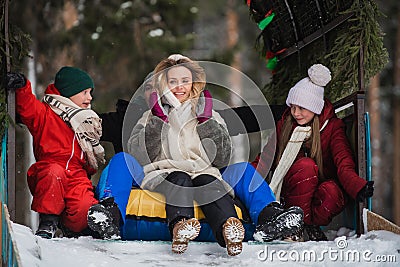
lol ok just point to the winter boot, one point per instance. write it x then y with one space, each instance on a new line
104 218
295 237
272 210
315 233
48 225
233 232
274 222
184 231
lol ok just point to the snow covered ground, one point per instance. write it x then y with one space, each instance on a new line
376 248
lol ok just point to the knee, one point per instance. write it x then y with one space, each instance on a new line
55 169
306 165
52 172
180 178
204 180
302 176
330 193
328 201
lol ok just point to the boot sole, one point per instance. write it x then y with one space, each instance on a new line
285 224
189 230
233 232
45 234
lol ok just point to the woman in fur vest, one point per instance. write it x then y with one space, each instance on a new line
186 143
314 165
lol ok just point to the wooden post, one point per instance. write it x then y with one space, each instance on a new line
360 134
11 127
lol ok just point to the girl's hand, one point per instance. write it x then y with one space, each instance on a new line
366 192
205 106
156 107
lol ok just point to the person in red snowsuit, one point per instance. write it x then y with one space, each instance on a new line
66 135
323 168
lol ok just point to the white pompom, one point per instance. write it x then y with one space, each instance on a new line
319 74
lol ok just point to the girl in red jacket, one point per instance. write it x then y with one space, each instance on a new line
66 135
314 164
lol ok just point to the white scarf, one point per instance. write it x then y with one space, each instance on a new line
288 156
84 122
300 133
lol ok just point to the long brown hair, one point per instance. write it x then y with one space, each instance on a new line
315 139
198 74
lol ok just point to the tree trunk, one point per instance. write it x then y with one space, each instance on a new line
396 131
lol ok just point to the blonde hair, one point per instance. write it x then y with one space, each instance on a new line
198 74
315 139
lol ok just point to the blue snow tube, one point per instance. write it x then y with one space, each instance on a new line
145 211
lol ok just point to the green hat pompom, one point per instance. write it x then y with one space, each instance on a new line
70 81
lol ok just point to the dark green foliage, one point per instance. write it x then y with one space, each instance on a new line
18 49
363 32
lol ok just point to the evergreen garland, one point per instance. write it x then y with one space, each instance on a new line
18 47
363 33
338 49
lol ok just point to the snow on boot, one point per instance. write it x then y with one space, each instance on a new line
48 225
315 233
281 225
103 218
233 232
184 231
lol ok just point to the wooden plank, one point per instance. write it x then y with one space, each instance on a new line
11 201
360 145
14 258
361 159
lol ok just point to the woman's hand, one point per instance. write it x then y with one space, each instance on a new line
156 108
205 106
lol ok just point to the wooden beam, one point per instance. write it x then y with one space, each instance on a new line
316 35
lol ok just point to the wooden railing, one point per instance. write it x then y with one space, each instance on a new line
9 251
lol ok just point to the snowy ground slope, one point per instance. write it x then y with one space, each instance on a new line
377 248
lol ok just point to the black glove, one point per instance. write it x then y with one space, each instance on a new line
15 80
366 192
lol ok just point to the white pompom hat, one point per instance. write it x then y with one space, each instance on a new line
309 92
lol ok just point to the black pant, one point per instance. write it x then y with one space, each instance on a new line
180 191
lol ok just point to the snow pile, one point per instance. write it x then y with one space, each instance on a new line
376 248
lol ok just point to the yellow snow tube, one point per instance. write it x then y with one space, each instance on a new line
144 203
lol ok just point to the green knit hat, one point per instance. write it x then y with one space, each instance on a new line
70 81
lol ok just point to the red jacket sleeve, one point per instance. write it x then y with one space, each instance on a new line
30 109
343 160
